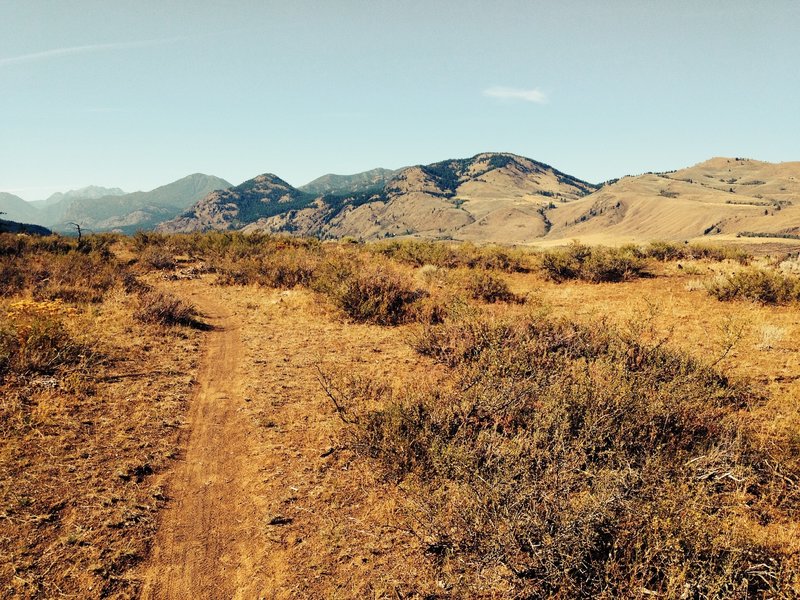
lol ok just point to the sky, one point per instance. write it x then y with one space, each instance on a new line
138 94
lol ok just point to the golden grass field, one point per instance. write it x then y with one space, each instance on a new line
405 420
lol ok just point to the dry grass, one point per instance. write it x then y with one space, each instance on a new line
572 462
89 408
561 448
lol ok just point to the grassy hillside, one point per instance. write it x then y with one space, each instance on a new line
722 196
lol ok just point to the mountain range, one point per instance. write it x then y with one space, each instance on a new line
490 197
504 198
110 209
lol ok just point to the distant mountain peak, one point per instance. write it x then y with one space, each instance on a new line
87 192
269 179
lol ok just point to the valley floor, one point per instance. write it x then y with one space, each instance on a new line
215 463
266 503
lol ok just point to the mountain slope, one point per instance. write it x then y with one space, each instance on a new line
368 181
261 197
17 209
14 227
56 205
718 196
140 210
490 197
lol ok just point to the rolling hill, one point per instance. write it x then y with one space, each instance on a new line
719 197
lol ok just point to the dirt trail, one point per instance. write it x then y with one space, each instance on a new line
266 501
205 543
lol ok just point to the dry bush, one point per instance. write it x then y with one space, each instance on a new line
58 268
283 268
419 253
163 309
594 264
670 251
488 287
576 462
756 285
158 257
370 292
34 340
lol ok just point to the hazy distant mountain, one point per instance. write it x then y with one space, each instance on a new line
140 210
489 197
261 197
88 192
16 209
52 209
368 181
14 227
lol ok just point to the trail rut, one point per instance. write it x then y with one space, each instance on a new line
266 502
207 535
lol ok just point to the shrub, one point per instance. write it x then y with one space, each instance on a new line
372 293
757 285
34 339
12 276
596 265
58 268
447 255
587 463
485 286
158 257
287 268
163 309
669 251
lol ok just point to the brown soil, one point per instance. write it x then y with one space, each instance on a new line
268 502
204 545
265 503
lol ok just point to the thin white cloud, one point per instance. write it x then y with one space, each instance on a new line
508 93
73 50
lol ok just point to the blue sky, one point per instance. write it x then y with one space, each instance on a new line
138 94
